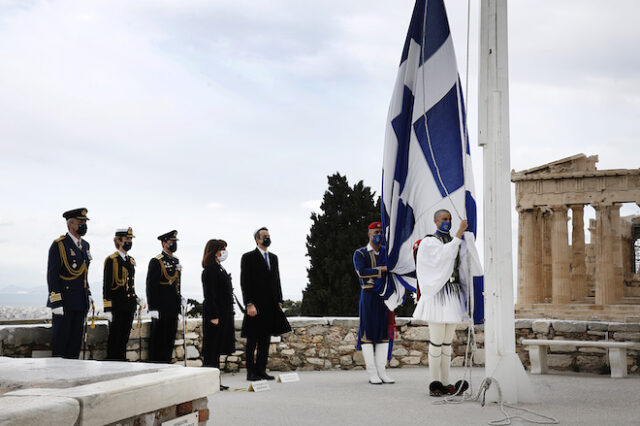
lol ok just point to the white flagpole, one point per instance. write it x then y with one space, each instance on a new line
501 361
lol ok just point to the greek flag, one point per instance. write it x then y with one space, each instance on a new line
427 162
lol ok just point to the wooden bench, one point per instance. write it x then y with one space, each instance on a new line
617 353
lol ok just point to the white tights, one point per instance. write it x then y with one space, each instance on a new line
441 336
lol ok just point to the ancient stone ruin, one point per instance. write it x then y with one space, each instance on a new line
558 278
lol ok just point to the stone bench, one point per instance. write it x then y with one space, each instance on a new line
617 353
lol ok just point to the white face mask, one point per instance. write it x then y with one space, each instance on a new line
223 256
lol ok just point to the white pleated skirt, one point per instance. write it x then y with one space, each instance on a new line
449 306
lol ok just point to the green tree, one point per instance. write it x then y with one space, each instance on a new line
291 308
335 233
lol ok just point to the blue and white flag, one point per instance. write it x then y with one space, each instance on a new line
427 163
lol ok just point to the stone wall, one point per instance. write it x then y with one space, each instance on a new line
329 344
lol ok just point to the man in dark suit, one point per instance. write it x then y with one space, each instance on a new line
69 293
262 294
163 294
119 292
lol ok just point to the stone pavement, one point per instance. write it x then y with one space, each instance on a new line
345 398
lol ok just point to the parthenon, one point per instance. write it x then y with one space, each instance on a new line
559 277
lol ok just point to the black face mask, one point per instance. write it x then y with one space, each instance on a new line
82 229
266 241
126 246
173 247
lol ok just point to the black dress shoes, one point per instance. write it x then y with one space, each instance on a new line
265 376
224 388
252 377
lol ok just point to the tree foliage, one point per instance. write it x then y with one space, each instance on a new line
338 230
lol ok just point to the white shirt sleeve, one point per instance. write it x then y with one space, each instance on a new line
434 263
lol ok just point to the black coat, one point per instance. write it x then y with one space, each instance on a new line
118 288
163 284
218 303
261 287
67 269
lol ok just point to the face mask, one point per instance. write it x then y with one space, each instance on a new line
173 247
266 241
126 246
377 239
223 256
445 226
82 229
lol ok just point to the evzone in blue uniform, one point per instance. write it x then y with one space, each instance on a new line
69 293
373 335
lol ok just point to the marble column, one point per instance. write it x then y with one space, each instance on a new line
529 267
546 256
579 288
606 293
561 257
616 228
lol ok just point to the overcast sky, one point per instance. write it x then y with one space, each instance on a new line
215 118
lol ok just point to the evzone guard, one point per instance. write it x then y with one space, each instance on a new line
375 317
443 295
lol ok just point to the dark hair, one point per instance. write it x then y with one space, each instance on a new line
256 234
437 214
210 251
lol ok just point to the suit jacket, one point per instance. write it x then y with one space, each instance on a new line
118 288
163 284
261 287
67 269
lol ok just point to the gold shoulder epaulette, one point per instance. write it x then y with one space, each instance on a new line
114 255
159 257
60 239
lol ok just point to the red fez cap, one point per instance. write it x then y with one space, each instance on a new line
375 225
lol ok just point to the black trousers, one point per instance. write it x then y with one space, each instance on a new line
163 337
119 330
261 342
66 334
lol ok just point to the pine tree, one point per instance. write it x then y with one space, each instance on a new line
335 234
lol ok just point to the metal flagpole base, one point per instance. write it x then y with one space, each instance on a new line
512 379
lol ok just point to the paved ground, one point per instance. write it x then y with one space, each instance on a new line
345 398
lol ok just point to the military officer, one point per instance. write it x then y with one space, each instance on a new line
119 294
69 293
163 295
373 334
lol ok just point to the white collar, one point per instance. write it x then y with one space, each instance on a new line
122 254
370 248
262 251
75 240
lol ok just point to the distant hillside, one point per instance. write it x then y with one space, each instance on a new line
12 295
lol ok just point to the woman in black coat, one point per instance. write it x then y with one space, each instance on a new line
217 308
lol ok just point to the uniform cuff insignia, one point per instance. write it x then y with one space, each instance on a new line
55 297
